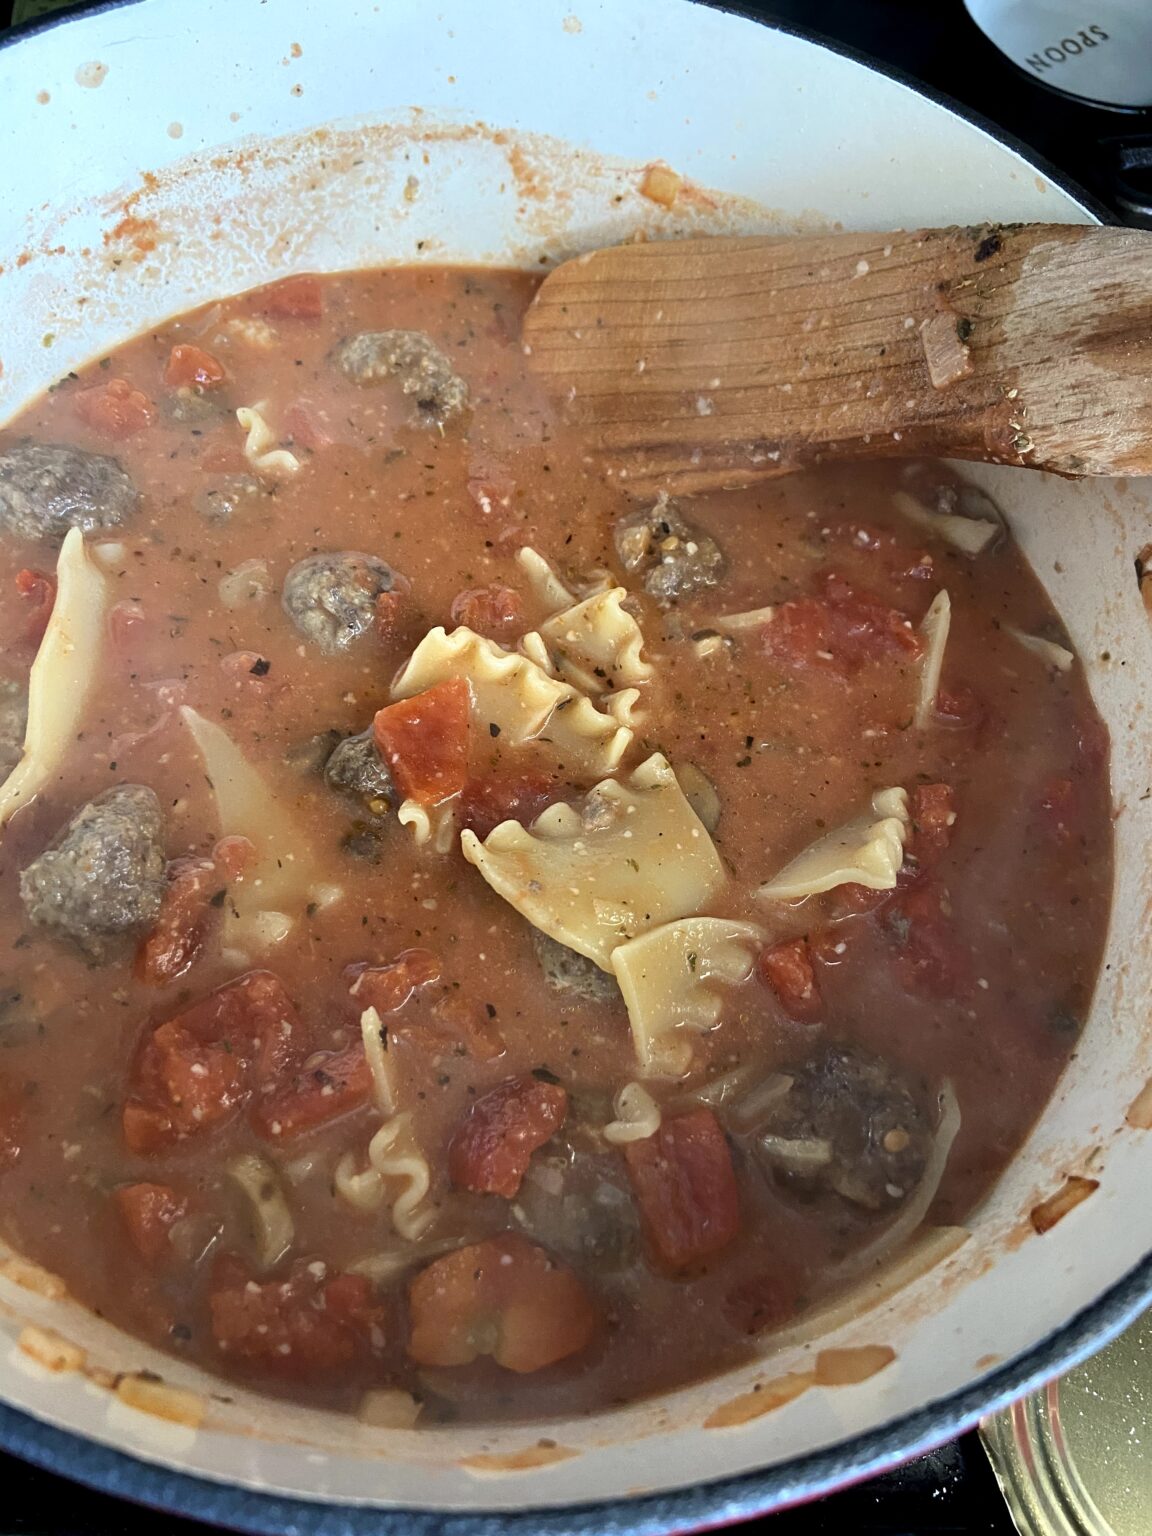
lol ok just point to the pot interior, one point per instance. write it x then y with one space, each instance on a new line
527 130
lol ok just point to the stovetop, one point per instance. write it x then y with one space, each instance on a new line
933 43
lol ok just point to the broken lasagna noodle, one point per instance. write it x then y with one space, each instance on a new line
478 943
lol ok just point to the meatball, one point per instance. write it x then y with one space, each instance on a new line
579 1205
415 361
355 768
851 1123
47 488
331 598
675 557
13 722
102 879
572 974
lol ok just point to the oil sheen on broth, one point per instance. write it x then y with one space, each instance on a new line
311 1074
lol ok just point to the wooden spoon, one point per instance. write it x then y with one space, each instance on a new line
710 362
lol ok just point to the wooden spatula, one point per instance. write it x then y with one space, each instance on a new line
700 363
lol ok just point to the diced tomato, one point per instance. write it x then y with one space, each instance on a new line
485 803
191 367
1060 809
465 1025
308 1326
424 741
787 969
493 1146
304 424
959 707
196 1070
39 592
930 958
195 887
149 1212
114 409
933 817
293 298
388 987
840 630
495 611
503 1297
330 1084
685 1186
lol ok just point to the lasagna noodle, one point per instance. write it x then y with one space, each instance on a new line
381 1062
267 461
433 826
637 1115
868 850
263 906
934 627
273 1227
597 644
635 855
673 981
62 674
515 698
393 1158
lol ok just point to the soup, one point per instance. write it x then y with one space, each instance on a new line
473 935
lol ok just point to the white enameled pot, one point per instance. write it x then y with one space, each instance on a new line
157 153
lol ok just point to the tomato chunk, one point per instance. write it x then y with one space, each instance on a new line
840 630
424 741
388 987
190 366
196 887
495 611
329 1085
933 817
149 1212
787 969
304 424
465 1025
930 959
503 1297
114 409
491 1150
685 1186
293 298
196 1070
960 707
307 1326
485 803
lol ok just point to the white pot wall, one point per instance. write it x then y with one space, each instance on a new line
534 120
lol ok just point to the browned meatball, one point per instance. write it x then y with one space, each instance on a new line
47 488
676 558
102 879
